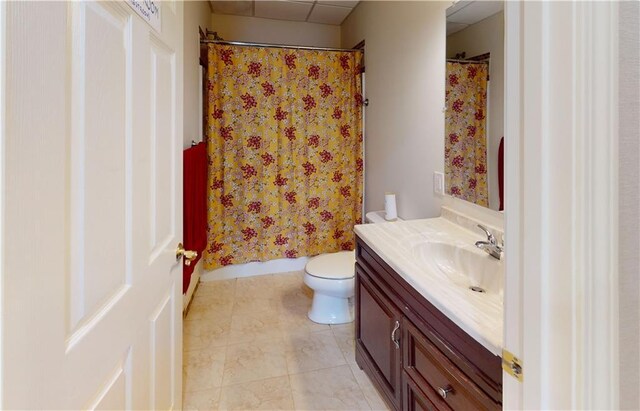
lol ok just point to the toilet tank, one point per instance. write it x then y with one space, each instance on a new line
375 217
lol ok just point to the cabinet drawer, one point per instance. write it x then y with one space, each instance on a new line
417 400
425 364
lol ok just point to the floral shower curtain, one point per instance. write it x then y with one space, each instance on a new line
284 130
465 132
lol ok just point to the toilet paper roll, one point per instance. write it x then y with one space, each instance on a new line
390 211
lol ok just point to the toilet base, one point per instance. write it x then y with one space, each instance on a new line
330 310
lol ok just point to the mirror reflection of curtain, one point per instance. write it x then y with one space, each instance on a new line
284 131
465 132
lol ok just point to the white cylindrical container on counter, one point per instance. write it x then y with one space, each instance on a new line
391 212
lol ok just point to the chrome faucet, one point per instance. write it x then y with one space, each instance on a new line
490 246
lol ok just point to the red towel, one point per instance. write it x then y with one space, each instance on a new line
501 173
195 167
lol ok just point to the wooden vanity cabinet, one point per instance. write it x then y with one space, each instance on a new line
416 357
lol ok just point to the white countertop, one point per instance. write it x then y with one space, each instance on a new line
479 315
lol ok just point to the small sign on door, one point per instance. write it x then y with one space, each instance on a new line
149 10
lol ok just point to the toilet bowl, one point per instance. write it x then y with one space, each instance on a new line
332 279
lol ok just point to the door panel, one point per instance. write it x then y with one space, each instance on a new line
92 307
99 194
116 392
162 352
162 145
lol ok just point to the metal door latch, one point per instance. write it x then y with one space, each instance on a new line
512 365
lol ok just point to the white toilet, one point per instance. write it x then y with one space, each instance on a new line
332 279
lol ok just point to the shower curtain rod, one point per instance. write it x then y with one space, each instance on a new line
278 46
467 61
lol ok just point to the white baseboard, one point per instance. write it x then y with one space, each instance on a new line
195 278
281 265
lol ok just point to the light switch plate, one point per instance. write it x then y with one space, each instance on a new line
438 183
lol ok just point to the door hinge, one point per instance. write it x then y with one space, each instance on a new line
512 365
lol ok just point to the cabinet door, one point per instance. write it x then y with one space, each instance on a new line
378 336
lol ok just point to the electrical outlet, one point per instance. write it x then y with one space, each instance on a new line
438 183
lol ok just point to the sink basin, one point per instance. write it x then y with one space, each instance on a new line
474 270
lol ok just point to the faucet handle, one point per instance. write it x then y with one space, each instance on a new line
490 236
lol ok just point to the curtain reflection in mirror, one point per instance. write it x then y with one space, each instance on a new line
465 131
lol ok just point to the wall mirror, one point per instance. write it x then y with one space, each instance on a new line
474 114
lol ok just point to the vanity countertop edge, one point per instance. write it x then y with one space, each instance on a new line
479 315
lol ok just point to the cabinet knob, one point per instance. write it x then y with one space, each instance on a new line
445 391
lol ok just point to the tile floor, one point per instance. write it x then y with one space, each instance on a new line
248 345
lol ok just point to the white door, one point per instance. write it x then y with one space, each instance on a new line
561 290
92 212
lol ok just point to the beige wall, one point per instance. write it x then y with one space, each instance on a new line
258 30
196 14
629 203
404 59
487 36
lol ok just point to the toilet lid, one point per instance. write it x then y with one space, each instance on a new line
334 266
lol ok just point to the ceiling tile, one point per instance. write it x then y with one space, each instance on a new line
343 3
457 6
328 14
476 11
240 8
282 10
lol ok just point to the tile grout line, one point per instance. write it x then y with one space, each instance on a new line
220 398
362 390
344 357
293 398
320 369
366 397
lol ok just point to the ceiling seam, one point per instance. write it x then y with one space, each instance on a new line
313 6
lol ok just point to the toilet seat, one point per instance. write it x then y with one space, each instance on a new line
334 266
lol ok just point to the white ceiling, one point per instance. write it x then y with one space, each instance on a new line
465 13
313 11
